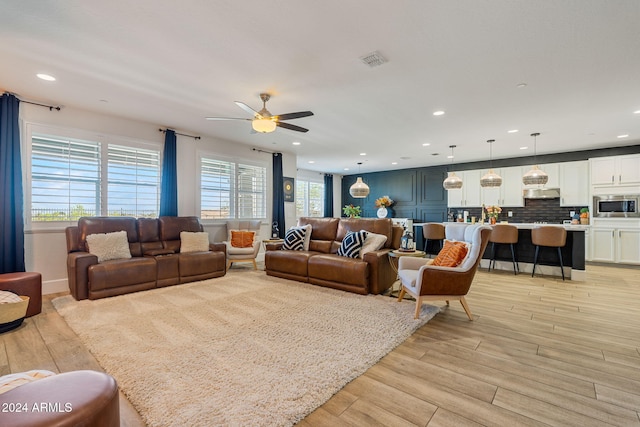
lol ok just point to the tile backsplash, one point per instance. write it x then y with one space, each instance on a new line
535 210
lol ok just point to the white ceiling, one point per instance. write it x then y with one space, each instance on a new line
172 63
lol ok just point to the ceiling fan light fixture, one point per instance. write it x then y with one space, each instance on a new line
263 125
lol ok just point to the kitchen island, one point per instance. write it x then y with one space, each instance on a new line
573 253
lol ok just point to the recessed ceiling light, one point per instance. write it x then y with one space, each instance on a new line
295 143
512 131
623 136
449 157
394 163
363 154
438 113
524 148
311 161
426 144
46 77
521 85
346 169
636 112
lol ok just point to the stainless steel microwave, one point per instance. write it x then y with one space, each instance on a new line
616 206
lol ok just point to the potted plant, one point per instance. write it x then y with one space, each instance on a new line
493 212
584 216
352 211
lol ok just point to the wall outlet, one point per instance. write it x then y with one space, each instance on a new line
510 214
572 213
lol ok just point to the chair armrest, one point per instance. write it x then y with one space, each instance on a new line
78 264
411 263
436 280
274 246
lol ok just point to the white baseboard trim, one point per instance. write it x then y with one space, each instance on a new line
55 286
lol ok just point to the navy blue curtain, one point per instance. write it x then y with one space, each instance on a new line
328 195
169 187
11 195
278 194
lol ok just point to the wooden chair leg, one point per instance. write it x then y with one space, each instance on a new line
466 307
401 294
418 305
255 266
229 263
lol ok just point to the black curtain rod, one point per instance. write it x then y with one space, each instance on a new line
181 134
263 151
50 107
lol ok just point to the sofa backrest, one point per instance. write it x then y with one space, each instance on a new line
323 232
171 226
149 234
382 226
104 224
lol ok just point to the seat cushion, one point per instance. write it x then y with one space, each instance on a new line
122 272
339 269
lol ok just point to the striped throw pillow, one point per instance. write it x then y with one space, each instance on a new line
294 239
352 244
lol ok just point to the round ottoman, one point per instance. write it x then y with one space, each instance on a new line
27 284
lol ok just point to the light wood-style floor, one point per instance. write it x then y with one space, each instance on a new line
539 352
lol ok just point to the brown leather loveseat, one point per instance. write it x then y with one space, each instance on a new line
321 265
155 260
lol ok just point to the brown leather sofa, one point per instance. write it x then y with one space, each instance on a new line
321 265
155 260
78 398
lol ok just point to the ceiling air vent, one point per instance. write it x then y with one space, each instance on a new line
373 59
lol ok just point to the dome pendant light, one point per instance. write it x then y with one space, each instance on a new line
359 190
491 179
452 182
535 176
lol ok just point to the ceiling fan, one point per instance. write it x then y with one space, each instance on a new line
263 121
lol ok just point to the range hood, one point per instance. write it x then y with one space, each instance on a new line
541 193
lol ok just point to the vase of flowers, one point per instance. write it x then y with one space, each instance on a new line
352 211
382 204
493 212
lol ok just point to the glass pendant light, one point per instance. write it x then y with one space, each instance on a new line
452 182
359 190
491 179
535 176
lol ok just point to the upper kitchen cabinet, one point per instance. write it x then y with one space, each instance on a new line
615 171
509 193
469 194
574 183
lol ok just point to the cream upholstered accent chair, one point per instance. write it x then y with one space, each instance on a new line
427 282
246 254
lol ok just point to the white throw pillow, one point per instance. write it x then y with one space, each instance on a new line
107 246
194 242
372 243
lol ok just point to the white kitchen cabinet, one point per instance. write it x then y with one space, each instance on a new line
469 194
614 171
615 241
509 193
574 183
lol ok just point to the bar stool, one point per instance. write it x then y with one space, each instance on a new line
432 231
554 237
504 234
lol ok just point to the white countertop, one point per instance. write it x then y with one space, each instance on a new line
528 225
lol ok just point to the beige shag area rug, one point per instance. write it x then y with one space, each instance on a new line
243 349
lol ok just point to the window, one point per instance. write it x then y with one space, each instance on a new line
72 177
309 198
230 189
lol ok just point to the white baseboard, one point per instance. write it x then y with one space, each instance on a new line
55 286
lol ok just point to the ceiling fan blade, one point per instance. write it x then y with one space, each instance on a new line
226 118
248 109
291 127
297 115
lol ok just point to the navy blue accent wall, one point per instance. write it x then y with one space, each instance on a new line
418 192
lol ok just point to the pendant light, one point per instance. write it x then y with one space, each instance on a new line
535 176
491 179
452 182
359 190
